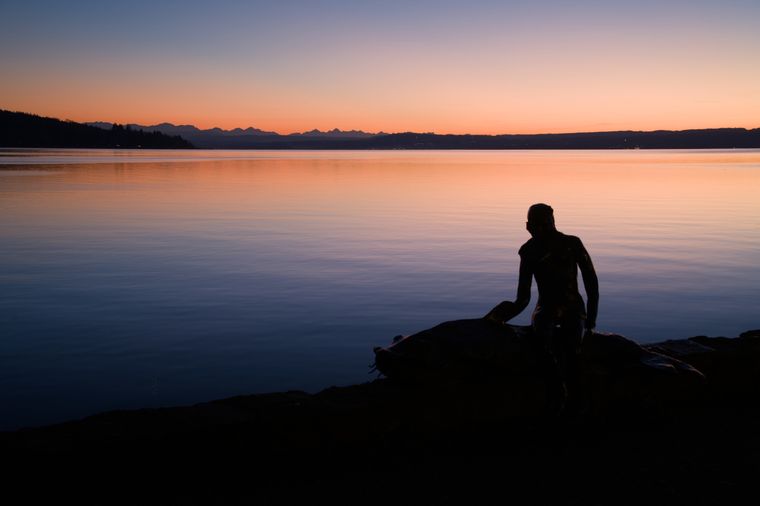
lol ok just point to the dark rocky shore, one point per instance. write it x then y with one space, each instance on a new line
668 423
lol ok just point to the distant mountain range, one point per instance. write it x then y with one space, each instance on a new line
217 138
253 138
27 130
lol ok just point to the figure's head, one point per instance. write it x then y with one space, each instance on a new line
540 220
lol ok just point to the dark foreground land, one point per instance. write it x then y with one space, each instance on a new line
648 435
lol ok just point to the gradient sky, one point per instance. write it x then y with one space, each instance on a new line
444 66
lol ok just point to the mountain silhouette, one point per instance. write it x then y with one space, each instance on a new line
239 138
254 138
27 130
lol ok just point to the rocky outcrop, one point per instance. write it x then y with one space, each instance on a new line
617 375
731 365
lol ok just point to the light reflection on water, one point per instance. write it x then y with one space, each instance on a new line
192 275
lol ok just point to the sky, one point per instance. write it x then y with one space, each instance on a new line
442 66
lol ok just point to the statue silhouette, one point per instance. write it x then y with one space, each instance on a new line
560 316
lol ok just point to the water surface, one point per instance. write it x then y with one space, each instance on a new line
151 278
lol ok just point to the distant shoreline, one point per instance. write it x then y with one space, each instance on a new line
722 138
19 129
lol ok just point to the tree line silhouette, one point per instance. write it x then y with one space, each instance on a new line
18 129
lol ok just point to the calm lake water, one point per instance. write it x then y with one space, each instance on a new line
152 278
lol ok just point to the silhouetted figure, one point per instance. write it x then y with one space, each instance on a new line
560 317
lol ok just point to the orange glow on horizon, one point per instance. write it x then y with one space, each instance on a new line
545 94
473 126
585 104
500 68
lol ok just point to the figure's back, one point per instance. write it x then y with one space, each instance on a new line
553 260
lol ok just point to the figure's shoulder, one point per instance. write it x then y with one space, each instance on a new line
527 248
575 244
571 240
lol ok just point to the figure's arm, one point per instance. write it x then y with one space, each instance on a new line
523 287
507 310
591 283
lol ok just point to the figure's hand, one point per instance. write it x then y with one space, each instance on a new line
589 331
502 312
493 316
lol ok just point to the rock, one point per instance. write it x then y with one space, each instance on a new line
618 374
627 379
731 365
457 350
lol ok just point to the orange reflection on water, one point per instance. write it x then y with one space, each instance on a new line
611 197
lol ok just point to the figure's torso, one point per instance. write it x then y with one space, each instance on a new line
554 263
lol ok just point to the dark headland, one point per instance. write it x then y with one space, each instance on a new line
26 130
22 130
668 423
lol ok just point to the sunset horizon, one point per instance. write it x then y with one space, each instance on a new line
201 125
489 68
205 125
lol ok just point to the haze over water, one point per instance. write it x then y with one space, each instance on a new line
152 278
